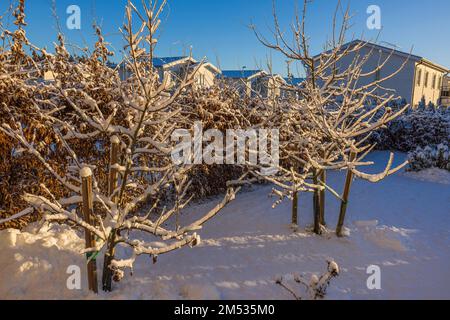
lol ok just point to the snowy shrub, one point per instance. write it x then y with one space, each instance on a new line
89 81
19 171
316 288
416 128
221 109
430 157
105 143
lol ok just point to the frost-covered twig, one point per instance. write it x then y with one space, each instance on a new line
316 287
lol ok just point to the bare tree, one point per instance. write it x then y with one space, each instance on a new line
336 111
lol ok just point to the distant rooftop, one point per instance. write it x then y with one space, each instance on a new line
373 45
239 74
294 81
159 62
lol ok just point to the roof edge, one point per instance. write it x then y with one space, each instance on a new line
174 63
377 46
434 65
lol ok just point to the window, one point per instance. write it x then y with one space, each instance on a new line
434 82
201 80
427 75
378 75
419 77
439 83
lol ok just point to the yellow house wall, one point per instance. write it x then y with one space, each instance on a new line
421 89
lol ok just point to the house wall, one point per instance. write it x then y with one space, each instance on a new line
124 73
260 87
205 77
247 88
48 76
242 86
267 87
445 93
290 93
430 88
172 75
274 88
401 84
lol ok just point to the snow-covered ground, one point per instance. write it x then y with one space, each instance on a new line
401 224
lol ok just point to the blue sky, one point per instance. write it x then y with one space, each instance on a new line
219 29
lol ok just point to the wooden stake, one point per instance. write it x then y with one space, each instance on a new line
113 172
345 198
295 209
88 209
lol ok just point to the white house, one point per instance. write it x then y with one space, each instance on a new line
418 79
252 83
173 69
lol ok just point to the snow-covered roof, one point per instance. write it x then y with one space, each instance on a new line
208 65
376 46
241 74
277 78
167 62
160 62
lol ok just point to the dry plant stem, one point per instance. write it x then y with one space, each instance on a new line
292 292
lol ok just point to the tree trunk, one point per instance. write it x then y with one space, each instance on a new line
109 257
317 227
112 186
323 178
345 198
295 209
